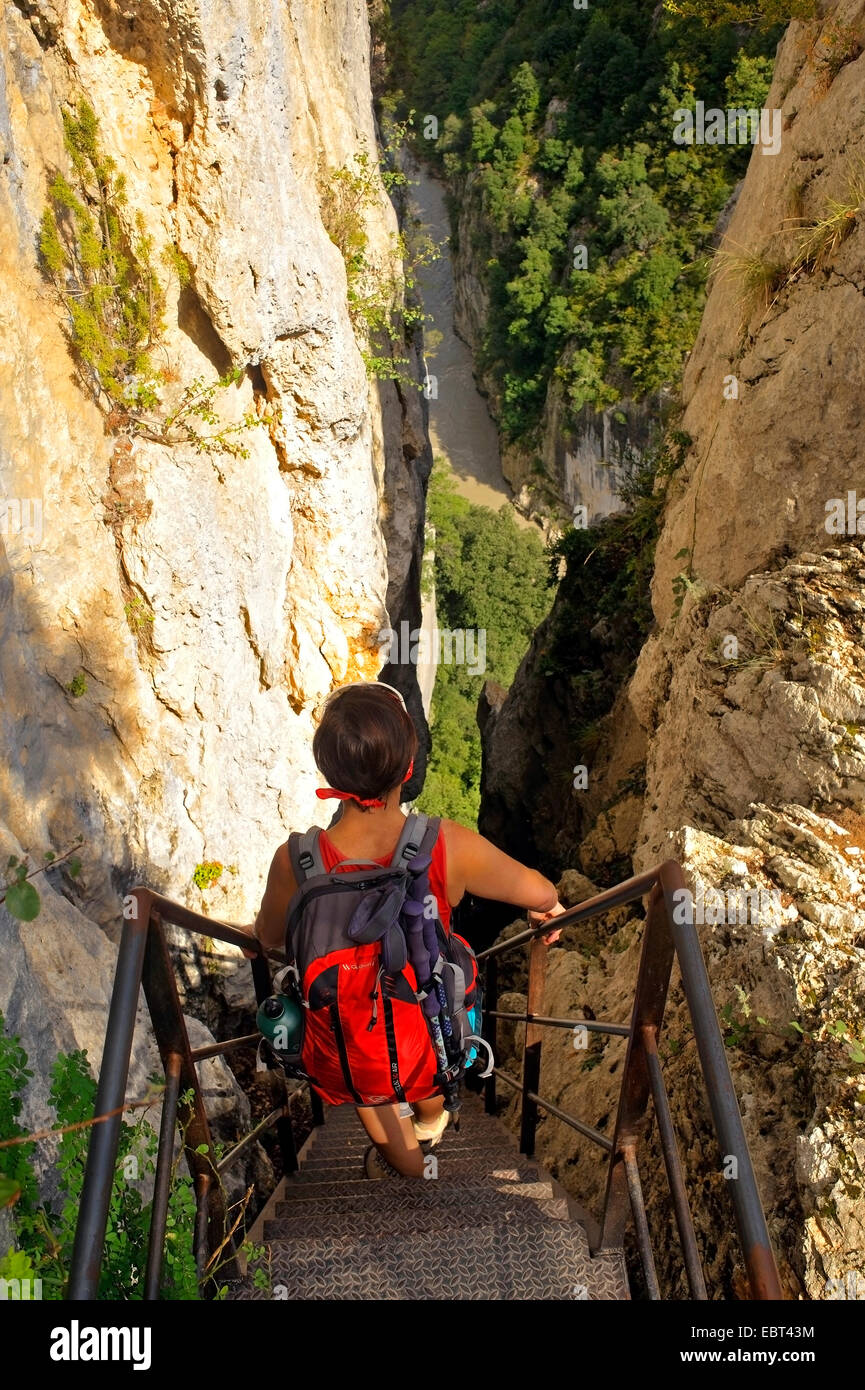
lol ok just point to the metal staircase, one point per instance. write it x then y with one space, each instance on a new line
487 1223
511 1231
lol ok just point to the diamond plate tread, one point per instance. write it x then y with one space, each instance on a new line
353 1153
486 1262
609 1276
349 1152
382 1225
475 1130
472 1117
475 1163
493 1225
415 1192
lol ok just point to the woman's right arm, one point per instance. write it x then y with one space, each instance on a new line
476 866
269 926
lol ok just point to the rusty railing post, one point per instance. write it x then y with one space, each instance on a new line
750 1219
656 961
163 1001
102 1150
162 1182
538 951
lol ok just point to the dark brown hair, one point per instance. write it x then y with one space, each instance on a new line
365 741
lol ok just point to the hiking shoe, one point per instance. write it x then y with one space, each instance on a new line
374 1166
430 1131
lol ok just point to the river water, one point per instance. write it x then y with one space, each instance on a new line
461 428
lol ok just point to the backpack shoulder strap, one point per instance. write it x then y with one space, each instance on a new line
420 832
305 854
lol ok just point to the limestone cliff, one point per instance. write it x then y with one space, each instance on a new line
737 746
169 626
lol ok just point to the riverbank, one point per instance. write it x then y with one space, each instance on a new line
462 431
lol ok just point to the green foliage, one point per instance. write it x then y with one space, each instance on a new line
176 261
490 577
44 1235
18 893
138 614
78 685
198 402
100 261
206 874
603 609
17 1172
747 85
763 14
741 1027
384 303
560 161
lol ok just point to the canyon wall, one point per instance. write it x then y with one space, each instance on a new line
738 745
170 616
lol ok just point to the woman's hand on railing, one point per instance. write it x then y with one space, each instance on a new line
250 930
536 918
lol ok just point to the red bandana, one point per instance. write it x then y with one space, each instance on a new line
325 793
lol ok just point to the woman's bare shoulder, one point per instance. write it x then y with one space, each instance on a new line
280 866
452 830
458 838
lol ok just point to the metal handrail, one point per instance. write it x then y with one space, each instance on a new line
144 960
664 938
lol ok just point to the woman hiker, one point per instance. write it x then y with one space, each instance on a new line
364 746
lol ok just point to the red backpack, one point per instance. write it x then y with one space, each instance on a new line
354 935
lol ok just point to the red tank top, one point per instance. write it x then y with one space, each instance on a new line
438 873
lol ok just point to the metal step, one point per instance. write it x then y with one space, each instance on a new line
486 1261
492 1224
412 1192
304 1220
470 1136
473 1161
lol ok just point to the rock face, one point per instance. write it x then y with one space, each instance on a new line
199 604
737 745
763 465
266 577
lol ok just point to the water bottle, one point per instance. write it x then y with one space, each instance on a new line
280 1020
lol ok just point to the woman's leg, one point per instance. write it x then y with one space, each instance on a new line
430 1119
393 1137
428 1110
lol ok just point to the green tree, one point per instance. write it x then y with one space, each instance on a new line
525 92
602 171
491 578
763 13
